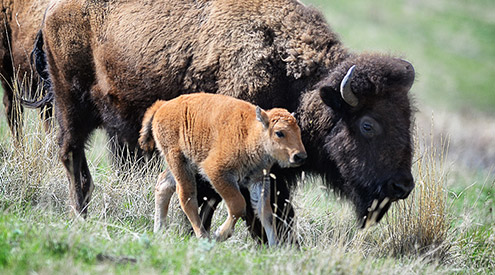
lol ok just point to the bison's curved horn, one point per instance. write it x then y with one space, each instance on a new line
345 89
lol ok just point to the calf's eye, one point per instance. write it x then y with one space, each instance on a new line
279 134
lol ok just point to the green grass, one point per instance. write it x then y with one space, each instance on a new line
47 242
37 234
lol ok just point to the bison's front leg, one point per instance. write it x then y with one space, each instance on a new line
260 191
208 200
282 208
279 196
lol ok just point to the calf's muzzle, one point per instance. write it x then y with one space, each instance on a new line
298 158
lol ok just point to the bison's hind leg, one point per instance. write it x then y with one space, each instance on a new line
164 189
13 112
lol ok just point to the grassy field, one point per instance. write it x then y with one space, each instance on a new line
446 226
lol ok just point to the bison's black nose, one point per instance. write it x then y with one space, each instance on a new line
401 185
298 158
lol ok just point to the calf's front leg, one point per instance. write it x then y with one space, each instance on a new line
236 205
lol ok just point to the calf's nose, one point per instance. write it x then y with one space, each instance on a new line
298 158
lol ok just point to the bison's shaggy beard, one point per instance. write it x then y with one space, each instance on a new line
374 212
370 202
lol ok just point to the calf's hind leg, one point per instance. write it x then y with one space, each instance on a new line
164 189
186 190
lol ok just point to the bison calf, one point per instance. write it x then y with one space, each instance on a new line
229 142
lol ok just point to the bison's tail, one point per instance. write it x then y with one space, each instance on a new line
146 140
38 59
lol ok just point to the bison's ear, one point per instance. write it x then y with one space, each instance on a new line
331 98
344 97
402 74
262 117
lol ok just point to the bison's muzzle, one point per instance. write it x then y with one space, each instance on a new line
399 186
395 188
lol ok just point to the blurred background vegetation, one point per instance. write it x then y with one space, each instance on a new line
451 44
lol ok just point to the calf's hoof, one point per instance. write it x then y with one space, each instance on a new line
202 235
222 236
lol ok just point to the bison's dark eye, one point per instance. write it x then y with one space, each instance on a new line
279 134
369 127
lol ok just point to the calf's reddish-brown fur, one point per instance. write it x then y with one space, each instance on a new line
227 141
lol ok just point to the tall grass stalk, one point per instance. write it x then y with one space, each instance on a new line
419 225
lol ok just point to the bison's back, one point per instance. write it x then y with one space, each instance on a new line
251 50
131 53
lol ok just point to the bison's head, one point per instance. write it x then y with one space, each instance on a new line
359 121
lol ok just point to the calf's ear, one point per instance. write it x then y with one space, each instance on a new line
262 117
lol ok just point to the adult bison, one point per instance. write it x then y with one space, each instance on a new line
19 23
110 60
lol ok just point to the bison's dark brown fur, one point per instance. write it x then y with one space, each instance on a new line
19 22
110 60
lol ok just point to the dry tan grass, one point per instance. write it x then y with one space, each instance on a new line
420 224
34 175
